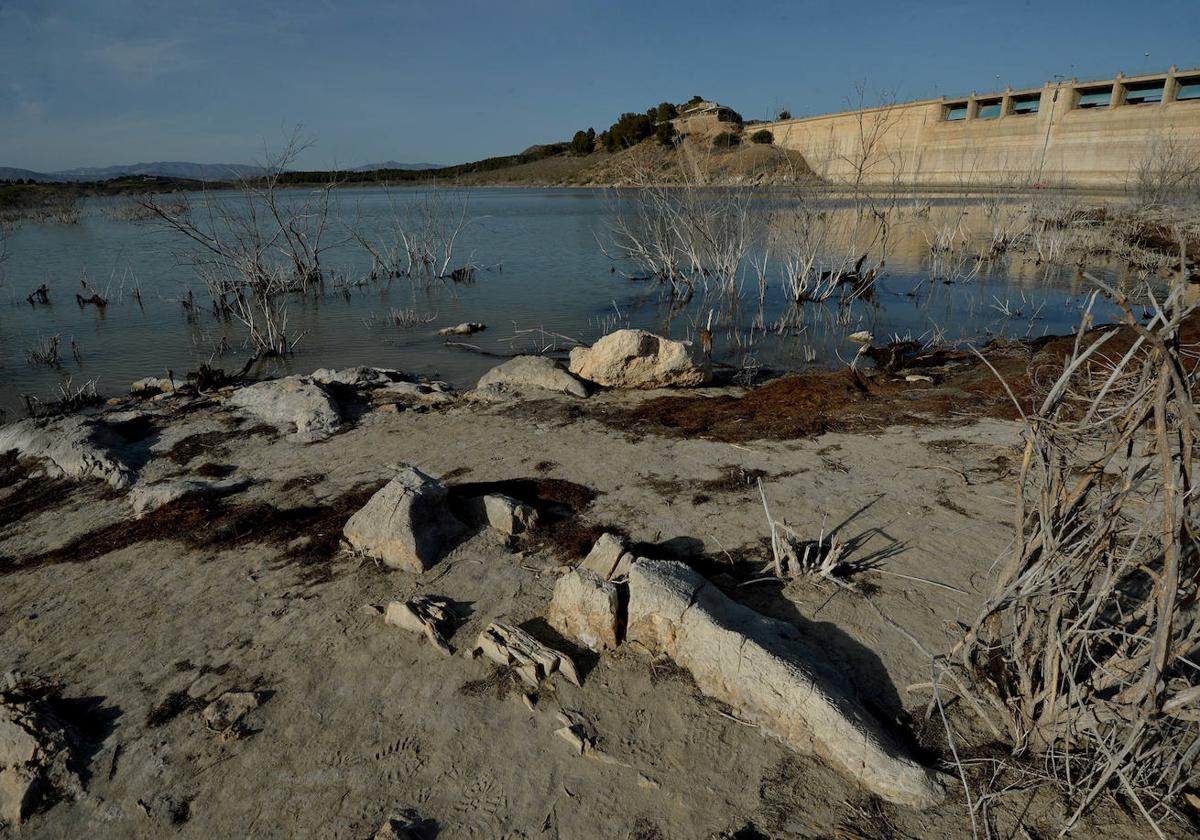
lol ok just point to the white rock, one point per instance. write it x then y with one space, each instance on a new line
33 759
19 751
585 608
609 557
536 372
144 498
640 359
357 377
77 447
152 385
465 328
861 337
291 404
407 524
501 513
763 670
533 661
424 615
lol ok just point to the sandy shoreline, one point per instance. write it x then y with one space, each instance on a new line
143 625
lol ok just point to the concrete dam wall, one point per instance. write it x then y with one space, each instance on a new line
1076 134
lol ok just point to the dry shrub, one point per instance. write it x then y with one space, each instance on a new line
1084 657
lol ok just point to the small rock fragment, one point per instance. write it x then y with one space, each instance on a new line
572 736
407 826
533 661
424 615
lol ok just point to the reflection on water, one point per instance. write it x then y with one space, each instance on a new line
544 279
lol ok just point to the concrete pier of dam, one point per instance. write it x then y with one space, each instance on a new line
1093 134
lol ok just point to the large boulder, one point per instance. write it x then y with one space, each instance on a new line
585 607
640 359
291 404
533 372
763 669
407 524
76 447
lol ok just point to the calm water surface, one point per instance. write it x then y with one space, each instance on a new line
544 273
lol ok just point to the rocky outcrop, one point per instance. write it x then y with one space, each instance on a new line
34 757
537 373
585 608
77 447
356 377
640 359
770 676
407 524
293 405
145 498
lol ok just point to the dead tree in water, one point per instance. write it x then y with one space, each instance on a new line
1084 656
255 249
688 233
420 235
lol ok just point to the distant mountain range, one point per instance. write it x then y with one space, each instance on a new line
172 169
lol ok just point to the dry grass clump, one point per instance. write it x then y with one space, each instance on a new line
48 351
1084 659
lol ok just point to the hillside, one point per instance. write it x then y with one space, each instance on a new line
650 161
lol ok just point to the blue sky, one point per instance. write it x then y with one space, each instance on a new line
118 81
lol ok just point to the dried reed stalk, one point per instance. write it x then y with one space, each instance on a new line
1085 655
